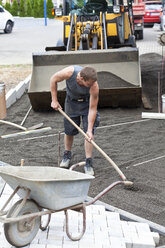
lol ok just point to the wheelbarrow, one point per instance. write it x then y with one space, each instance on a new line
43 191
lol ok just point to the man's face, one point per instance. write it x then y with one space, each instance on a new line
80 80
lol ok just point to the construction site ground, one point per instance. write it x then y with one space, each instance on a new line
136 145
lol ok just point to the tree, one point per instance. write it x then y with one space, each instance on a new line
35 9
7 6
14 8
49 8
41 8
22 8
29 8
1 3
32 3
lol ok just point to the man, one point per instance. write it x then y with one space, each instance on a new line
82 93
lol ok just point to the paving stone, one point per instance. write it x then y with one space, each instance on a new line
117 242
115 229
53 246
42 234
86 243
70 244
112 217
100 235
56 235
128 242
104 241
107 246
35 241
103 229
88 236
156 237
37 246
142 243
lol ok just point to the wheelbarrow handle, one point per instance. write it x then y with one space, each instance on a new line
94 144
76 165
106 190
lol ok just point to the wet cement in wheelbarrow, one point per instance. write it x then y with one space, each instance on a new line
129 145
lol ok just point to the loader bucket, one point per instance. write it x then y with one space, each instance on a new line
118 76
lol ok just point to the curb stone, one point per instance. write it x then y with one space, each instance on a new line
17 92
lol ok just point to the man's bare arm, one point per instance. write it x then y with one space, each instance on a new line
58 77
94 97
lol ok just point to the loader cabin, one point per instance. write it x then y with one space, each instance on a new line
96 33
115 15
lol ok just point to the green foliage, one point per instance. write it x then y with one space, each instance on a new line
80 3
49 8
32 3
41 8
29 8
14 8
35 9
1 3
7 6
22 8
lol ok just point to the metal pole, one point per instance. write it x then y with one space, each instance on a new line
59 145
45 12
159 94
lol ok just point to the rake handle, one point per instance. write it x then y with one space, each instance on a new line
94 144
13 124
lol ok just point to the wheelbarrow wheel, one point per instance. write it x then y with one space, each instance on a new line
22 232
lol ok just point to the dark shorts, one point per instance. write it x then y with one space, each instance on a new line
71 130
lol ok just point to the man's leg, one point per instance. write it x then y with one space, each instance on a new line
88 168
70 131
88 149
68 141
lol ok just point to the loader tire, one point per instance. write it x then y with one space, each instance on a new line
121 29
140 34
131 41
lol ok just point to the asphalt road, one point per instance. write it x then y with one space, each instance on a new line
31 35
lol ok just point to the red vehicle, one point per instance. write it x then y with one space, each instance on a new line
153 11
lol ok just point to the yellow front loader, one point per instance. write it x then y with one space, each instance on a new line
96 33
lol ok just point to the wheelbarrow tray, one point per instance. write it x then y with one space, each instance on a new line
51 187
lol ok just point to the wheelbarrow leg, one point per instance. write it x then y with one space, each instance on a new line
43 228
84 225
22 202
2 212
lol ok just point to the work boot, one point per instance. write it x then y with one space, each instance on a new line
66 159
88 168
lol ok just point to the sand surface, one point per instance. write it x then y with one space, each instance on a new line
136 145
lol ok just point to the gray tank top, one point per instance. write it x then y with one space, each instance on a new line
77 97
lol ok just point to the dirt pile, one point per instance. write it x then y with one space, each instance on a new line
153 74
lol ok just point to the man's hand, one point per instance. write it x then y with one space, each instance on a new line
55 105
90 136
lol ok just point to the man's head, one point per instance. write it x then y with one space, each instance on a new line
87 76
